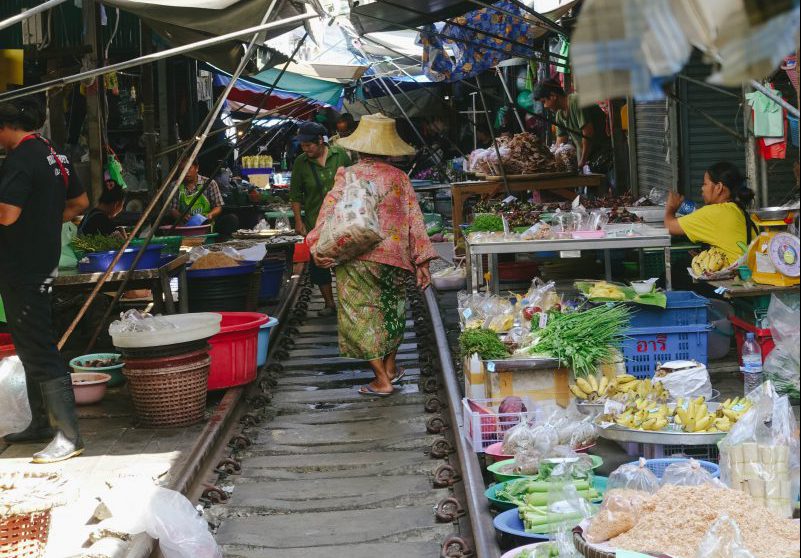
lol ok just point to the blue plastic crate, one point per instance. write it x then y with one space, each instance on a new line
684 308
644 347
658 466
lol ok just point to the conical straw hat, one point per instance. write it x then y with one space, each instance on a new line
376 135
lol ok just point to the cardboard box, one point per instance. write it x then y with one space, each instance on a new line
536 384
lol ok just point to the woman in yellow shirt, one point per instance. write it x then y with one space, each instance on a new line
723 221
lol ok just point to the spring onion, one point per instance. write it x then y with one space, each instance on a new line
485 342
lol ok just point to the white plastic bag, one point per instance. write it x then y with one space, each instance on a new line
723 540
353 229
782 365
686 473
163 514
16 411
685 378
635 476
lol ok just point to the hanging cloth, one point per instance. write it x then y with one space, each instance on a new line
768 115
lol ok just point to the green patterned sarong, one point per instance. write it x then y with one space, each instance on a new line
372 309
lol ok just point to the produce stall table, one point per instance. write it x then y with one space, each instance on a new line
650 237
557 182
736 288
158 280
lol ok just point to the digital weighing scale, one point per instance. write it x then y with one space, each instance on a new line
775 255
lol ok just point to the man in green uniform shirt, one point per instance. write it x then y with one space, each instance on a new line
312 178
585 127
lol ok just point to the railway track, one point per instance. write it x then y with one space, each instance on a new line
313 469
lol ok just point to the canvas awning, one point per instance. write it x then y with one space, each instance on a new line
392 15
180 23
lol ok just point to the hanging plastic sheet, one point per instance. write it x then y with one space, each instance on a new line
631 47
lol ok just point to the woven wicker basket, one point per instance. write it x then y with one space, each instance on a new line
589 552
24 535
169 397
26 499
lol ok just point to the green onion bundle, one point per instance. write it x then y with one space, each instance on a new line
485 342
583 339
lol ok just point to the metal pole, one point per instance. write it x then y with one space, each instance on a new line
750 148
492 133
206 126
30 12
511 101
152 57
475 124
480 518
773 97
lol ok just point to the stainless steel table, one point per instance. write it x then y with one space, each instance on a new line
648 237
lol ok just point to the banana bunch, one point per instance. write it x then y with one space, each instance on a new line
644 415
693 415
709 261
633 389
732 410
590 389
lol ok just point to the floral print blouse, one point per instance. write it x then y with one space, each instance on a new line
406 244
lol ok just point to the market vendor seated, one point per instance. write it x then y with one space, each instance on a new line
209 203
723 221
99 219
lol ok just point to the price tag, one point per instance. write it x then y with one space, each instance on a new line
467 312
491 366
543 320
508 199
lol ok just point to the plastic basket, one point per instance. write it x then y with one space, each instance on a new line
644 347
684 308
751 309
24 535
658 466
763 337
483 425
703 452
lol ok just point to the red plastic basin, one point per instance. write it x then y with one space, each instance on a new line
6 346
234 349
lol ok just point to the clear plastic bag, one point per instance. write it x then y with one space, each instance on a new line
354 228
566 509
686 473
527 461
518 438
617 514
782 364
760 454
723 540
134 321
634 476
163 514
16 414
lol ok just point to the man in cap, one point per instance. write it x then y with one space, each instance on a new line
585 127
312 177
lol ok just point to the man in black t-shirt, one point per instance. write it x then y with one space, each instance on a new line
39 190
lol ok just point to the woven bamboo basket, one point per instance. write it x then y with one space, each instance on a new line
26 501
589 552
171 396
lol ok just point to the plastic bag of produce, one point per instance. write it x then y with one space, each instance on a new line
353 228
634 476
782 364
686 473
16 414
617 514
760 454
685 378
517 438
566 509
527 461
723 540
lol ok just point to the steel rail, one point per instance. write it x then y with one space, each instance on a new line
478 510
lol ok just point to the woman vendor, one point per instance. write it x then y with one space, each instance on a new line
372 288
723 221
99 219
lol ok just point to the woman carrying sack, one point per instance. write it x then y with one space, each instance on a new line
371 288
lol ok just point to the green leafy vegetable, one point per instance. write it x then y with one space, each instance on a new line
583 339
487 222
485 342
96 243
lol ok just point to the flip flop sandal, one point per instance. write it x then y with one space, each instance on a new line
399 377
367 390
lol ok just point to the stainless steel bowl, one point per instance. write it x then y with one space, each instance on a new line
773 213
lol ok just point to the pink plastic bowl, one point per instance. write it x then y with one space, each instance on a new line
89 387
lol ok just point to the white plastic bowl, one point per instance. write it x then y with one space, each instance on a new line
642 287
188 327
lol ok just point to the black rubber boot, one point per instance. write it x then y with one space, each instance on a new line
39 429
60 402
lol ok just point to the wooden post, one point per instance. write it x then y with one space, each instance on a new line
94 109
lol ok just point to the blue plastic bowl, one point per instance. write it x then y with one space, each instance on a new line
100 261
264 341
117 378
509 522
196 221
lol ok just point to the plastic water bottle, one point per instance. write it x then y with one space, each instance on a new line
686 207
752 364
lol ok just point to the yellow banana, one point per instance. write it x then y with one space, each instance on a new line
593 383
704 423
625 378
603 386
585 386
577 391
